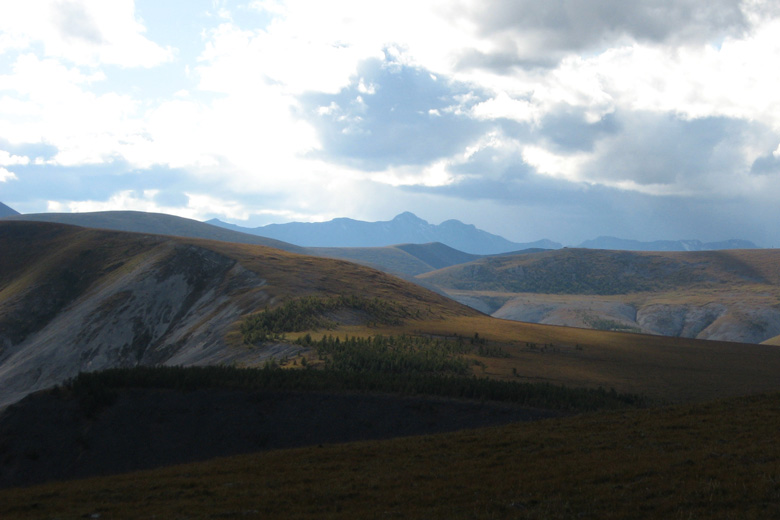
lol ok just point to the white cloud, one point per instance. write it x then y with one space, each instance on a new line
6 159
198 207
6 175
84 32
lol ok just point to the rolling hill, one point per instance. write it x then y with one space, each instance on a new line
155 223
714 460
727 295
404 228
623 244
120 299
76 299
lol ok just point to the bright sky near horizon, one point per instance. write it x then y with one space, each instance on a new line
563 120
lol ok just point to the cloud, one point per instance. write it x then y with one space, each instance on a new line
188 205
766 165
661 150
83 32
7 159
6 175
528 33
391 115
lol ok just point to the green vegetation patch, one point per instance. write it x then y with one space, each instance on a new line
391 354
313 313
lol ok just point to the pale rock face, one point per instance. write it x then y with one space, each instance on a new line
173 307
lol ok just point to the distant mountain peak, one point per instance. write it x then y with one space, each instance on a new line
404 228
6 211
408 216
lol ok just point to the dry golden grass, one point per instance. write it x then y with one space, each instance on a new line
773 341
663 368
716 461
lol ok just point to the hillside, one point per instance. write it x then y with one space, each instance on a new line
726 295
404 228
406 260
5 211
347 352
772 341
623 244
121 299
155 223
715 460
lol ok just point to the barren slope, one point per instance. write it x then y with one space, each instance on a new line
725 295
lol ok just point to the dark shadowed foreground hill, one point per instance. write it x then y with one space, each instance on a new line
148 428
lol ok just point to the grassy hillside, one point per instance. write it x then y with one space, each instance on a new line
585 271
716 461
81 272
120 299
326 325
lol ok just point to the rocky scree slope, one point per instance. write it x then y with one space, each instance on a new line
73 300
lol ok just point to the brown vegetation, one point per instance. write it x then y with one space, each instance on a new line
717 461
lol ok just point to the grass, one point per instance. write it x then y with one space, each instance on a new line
584 271
715 460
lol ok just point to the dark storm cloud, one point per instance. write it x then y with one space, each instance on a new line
568 129
657 148
392 115
532 33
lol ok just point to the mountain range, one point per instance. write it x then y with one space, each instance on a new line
408 228
403 229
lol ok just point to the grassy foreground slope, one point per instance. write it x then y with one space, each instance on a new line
717 461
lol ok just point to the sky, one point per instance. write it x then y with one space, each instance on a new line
566 120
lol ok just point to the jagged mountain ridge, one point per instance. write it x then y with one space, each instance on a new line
405 228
